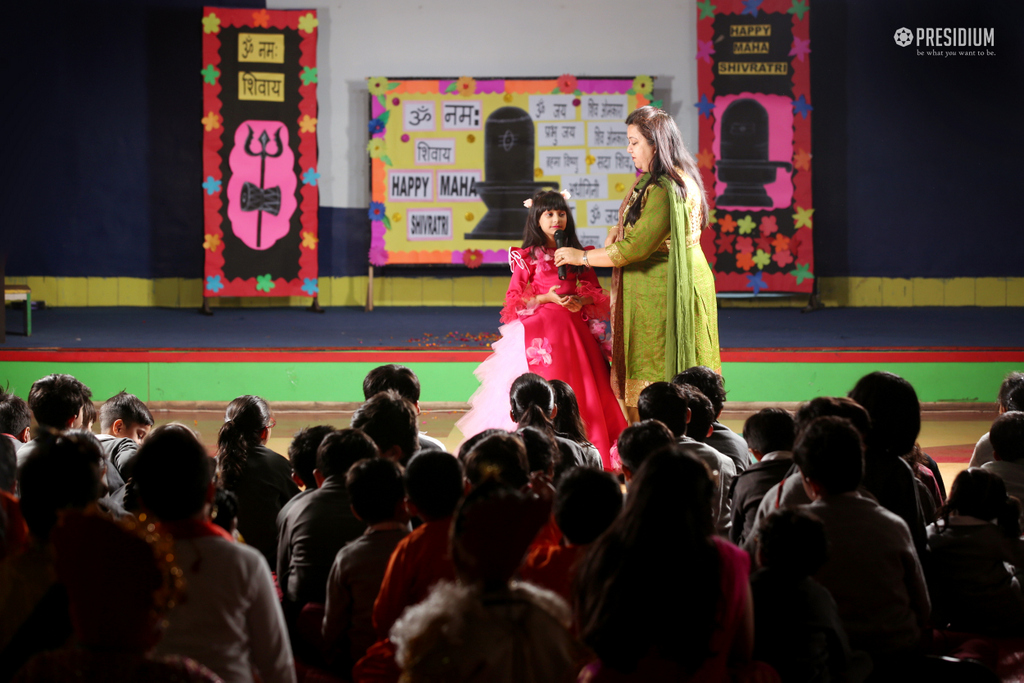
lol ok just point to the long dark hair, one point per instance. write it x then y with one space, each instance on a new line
981 494
895 414
568 421
533 236
532 400
650 583
244 422
670 156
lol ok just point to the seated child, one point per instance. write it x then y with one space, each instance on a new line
702 414
15 419
56 402
390 420
407 384
796 623
302 457
769 434
1013 383
974 548
124 423
377 493
1007 438
723 439
638 441
872 570
501 455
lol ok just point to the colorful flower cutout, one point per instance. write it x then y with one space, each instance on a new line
213 283
211 122
307 124
261 19
761 258
309 240
802 272
783 258
727 224
308 22
642 85
310 176
376 212
802 217
378 150
756 282
211 185
308 75
707 10
466 85
473 258
744 260
377 85
210 74
309 286
746 225
211 241
745 245
211 23
539 352
566 84
265 283
769 225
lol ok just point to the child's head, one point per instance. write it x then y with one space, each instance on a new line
15 419
173 473
548 206
542 452
895 413
837 406
639 440
225 510
707 381
64 471
769 430
702 413
1015 399
568 420
376 489
981 494
125 415
302 453
390 421
830 455
499 456
1007 437
391 376
247 424
792 541
88 415
532 401
666 403
433 483
587 501
340 450
467 446
1013 381
56 401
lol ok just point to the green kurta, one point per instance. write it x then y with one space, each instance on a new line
660 329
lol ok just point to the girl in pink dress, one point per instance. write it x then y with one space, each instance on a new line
555 328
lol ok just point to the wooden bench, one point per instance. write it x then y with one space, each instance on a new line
21 293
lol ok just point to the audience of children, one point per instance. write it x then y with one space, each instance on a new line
413 563
1013 383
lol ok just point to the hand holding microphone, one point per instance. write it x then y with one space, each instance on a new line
560 242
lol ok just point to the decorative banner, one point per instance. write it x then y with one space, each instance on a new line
753 74
453 160
259 152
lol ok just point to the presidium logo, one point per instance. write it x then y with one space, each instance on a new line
960 42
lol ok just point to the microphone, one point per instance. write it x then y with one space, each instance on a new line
560 242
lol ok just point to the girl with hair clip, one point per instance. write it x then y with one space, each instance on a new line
975 553
552 327
260 478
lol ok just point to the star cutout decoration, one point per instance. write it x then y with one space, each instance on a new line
308 75
802 106
211 122
799 8
309 240
801 48
309 286
310 177
711 216
764 243
746 225
210 74
704 107
802 160
211 185
756 282
725 243
705 48
750 7
261 19
307 124
707 10
211 23
727 224
706 159
265 283
802 218
802 272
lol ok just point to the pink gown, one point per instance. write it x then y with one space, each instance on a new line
552 342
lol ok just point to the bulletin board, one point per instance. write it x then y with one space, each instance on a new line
259 184
453 159
754 78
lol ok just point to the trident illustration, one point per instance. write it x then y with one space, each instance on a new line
257 198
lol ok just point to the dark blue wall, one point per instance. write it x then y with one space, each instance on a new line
917 160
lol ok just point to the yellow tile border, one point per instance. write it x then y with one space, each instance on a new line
489 290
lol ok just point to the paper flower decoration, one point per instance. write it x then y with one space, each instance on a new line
465 85
761 259
769 225
310 176
211 122
802 160
783 258
711 216
265 283
308 23
308 75
378 150
643 85
566 84
211 23
211 185
802 107
211 241
539 352
309 240
376 126
310 286
210 74
802 217
802 272
781 242
706 159
378 256
744 260
727 224
307 124
213 283
377 85
473 258
745 245
746 225
261 19
764 243
376 212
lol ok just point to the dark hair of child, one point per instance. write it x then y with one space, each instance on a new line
532 400
1012 381
302 452
341 449
244 421
433 483
707 381
792 542
65 471
769 430
56 399
568 422
173 473
587 501
895 414
466 446
702 413
500 456
127 408
88 415
392 376
640 439
981 494
1014 399
666 403
8 467
533 236
14 414
830 453
225 510
376 488
836 406
542 452
1007 436
631 589
390 420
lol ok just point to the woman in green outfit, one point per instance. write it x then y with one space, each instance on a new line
664 314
